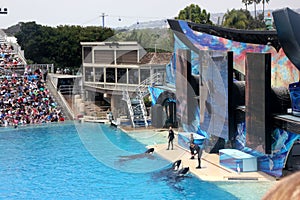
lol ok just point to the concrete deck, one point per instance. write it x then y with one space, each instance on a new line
211 169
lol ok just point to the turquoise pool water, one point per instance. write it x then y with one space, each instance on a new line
83 161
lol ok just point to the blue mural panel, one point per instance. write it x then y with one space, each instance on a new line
294 89
273 163
213 93
154 93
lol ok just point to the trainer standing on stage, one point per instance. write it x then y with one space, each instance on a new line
199 151
191 149
171 137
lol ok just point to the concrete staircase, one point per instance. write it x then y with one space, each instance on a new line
59 99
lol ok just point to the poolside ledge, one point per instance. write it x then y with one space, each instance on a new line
211 169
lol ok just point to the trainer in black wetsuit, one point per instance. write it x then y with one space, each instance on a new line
171 137
191 149
199 151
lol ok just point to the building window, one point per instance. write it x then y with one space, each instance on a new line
99 74
127 56
144 73
87 53
88 74
122 75
110 75
133 76
104 56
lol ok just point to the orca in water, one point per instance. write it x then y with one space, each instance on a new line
176 165
151 150
172 175
146 154
183 171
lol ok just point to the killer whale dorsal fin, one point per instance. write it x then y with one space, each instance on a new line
176 164
150 150
183 171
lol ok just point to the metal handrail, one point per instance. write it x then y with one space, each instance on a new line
141 91
130 109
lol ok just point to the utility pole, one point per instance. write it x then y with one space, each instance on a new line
103 16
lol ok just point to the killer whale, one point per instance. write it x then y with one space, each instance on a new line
151 150
183 171
175 171
172 175
147 154
176 165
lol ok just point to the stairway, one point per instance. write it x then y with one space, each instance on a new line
58 100
129 105
136 106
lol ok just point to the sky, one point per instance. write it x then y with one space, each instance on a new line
117 13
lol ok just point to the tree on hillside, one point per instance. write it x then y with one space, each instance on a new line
258 23
242 19
236 19
60 45
194 13
37 40
152 39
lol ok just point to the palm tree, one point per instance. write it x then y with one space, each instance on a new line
255 2
263 2
247 3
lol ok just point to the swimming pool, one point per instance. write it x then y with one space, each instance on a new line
82 161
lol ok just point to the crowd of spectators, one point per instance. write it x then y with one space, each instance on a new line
26 100
8 58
